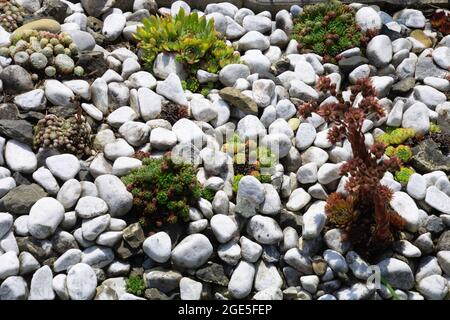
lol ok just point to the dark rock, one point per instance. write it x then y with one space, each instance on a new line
151 6
427 158
290 219
239 100
63 112
134 235
403 86
94 7
162 279
392 34
63 243
270 254
124 251
281 66
444 241
17 129
21 179
425 67
16 79
347 65
94 24
8 111
139 15
50 261
53 8
435 225
270 76
155 294
20 199
38 248
329 286
213 273
93 63
31 116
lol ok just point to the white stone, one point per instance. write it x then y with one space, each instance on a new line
81 282
45 216
224 227
41 285
19 157
64 166
158 247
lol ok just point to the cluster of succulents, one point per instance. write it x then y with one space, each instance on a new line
71 135
396 136
440 20
12 15
402 152
363 213
173 112
327 29
249 159
192 38
44 52
163 190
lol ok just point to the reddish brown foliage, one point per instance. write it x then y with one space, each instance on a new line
441 21
367 203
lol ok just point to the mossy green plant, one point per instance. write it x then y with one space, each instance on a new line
404 174
163 190
249 159
327 28
135 284
396 136
192 38
402 152
435 128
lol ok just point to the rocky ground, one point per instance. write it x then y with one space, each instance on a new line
66 228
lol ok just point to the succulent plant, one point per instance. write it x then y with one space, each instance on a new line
163 191
249 159
402 152
12 15
327 29
46 53
72 135
135 284
396 136
192 38
364 213
403 175
173 112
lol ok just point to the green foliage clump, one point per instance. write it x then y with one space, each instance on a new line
435 128
192 38
396 136
404 174
249 159
135 285
327 28
402 152
163 190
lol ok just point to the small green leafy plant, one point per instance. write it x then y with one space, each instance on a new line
192 38
396 136
249 159
163 190
402 152
135 285
327 28
403 174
